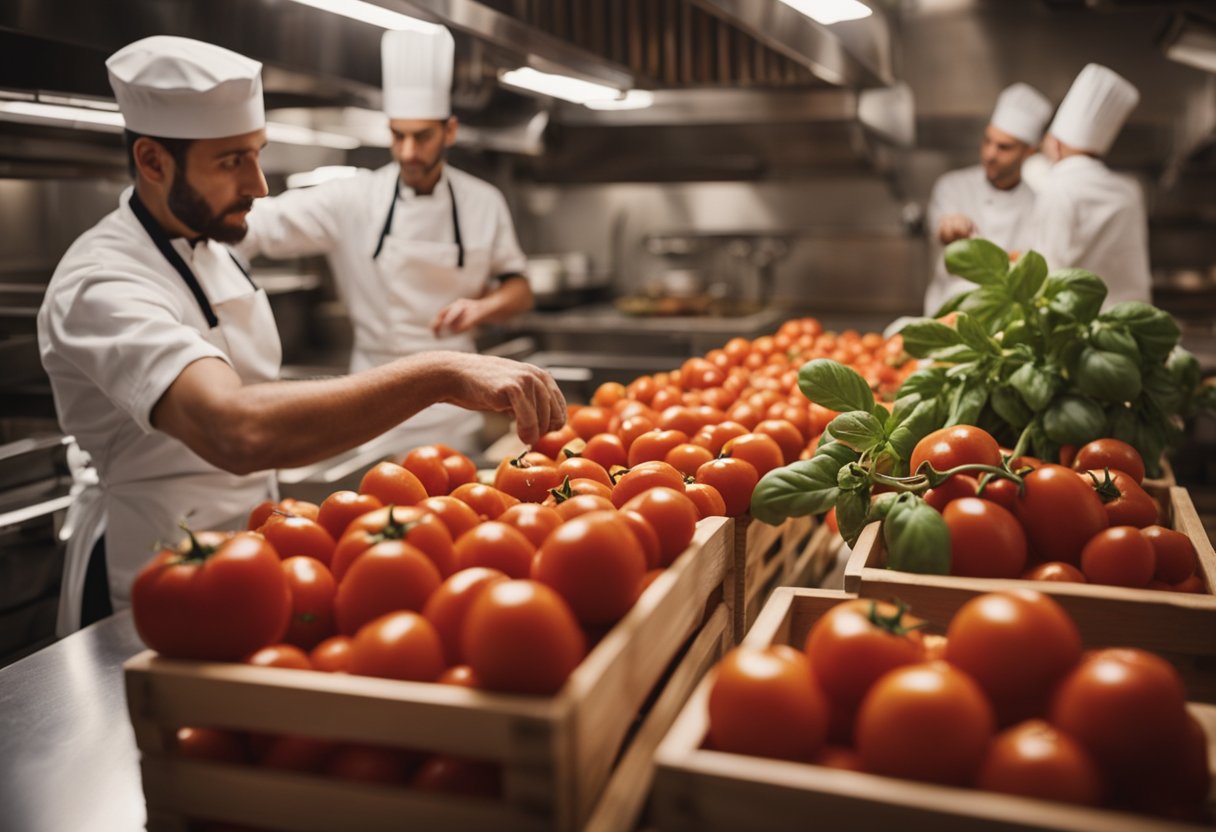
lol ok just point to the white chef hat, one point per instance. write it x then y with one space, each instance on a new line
178 88
1093 111
417 69
1022 112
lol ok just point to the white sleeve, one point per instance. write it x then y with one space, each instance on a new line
1055 224
299 222
937 207
506 257
127 339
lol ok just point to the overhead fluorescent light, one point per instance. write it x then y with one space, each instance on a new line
370 13
1191 40
828 12
564 87
325 173
631 100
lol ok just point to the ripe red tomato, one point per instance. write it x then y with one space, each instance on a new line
1127 707
925 722
608 394
1059 513
1033 759
1016 645
707 499
607 449
581 468
525 481
454 775
672 515
1113 454
588 421
1177 789
460 468
312 602
1120 556
1176 558
299 537
369 764
760 450
1055 570
288 507
766 702
400 645
211 744
522 637
391 575
643 476
580 504
570 489
460 675
955 488
496 545
986 540
734 479
551 443
647 537
713 437
412 524
426 463
1002 491
1126 503
392 485
687 458
950 447
448 606
787 436
486 500
534 521
280 655
456 515
331 655
857 642
655 445
341 507
595 563
218 598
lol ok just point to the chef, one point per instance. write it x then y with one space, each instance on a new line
421 252
163 355
1087 216
988 200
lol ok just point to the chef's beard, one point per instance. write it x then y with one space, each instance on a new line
416 173
189 206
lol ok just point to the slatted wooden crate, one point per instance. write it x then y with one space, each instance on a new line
1179 626
765 557
556 753
699 790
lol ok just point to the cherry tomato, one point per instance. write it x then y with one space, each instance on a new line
1033 759
950 447
299 537
456 515
1120 556
497 546
1059 513
1176 558
672 515
766 702
280 655
735 479
1113 454
217 597
341 507
986 540
312 602
707 499
595 563
391 575
400 645
957 487
1016 645
1126 503
412 524
1055 570
392 484
331 655
522 637
925 722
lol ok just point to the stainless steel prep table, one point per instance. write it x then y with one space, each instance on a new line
68 761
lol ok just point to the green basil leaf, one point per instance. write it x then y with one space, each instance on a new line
832 385
1161 388
922 337
1075 293
925 418
1113 338
1035 385
917 537
1154 330
1184 369
1043 447
991 305
975 336
851 510
852 477
1010 407
1016 334
1027 276
901 411
978 261
1106 376
840 453
966 404
796 490
926 383
1073 420
952 305
953 355
967 368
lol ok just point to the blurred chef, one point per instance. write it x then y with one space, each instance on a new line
421 252
163 355
1087 216
991 199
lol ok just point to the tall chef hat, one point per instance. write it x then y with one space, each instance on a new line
178 88
1093 112
1022 112
417 69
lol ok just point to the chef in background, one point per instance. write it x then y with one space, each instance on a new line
991 199
163 355
1087 216
421 252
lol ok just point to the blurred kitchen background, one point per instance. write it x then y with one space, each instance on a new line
764 165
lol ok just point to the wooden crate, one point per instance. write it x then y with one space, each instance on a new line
557 753
1179 626
764 557
701 790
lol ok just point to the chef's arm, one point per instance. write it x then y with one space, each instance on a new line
512 296
243 428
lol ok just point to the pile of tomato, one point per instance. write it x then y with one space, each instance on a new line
1091 522
1006 701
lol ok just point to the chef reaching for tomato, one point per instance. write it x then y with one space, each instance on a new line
163 356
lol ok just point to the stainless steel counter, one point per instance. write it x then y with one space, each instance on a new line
68 759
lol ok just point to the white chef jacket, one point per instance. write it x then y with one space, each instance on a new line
1002 216
1089 217
344 218
117 326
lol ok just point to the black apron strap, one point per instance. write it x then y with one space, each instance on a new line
244 271
388 220
456 228
166 249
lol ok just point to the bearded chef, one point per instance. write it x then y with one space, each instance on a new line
421 252
163 355
1087 216
991 199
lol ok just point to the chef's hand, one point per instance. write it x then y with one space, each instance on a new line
458 316
489 383
955 227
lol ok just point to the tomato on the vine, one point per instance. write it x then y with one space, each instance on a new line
1110 453
986 540
950 447
1059 513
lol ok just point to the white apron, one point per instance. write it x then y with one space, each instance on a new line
418 279
121 505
